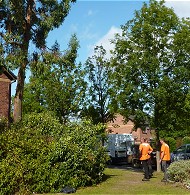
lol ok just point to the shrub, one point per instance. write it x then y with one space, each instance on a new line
44 123
3 124
179 171
88 157
171 142
24 160
41 155
186 140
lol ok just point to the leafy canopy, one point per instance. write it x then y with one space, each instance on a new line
151 68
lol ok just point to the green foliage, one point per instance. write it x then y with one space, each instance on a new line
40 155
25 23
46 17
3 124
150 73
171 142
179 171
98 102
44 123
186 140
56 72
85 153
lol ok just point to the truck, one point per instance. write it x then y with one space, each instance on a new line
119 147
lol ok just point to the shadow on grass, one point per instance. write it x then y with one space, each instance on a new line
125 167
121 167
117 166
106 177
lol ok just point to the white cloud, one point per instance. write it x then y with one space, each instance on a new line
87 33
105 40
181 8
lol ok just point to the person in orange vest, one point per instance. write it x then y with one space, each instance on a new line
145 151
164 158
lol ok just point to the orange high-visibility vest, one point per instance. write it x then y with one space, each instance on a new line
165 148
145 149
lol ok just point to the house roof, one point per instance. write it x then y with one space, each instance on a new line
8 73
119 126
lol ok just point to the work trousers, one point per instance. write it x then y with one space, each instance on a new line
165 165
150 167
145 168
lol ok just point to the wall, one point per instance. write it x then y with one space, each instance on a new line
118 125
5 89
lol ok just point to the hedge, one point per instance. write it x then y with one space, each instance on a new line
40 155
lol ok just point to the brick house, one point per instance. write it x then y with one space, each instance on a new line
6 79
119 126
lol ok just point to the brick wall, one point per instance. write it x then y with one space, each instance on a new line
5 89
118 125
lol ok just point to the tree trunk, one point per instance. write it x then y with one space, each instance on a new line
158 161
17 113
156 118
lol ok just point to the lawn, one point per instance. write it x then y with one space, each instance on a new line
124 180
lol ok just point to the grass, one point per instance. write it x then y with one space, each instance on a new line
129 181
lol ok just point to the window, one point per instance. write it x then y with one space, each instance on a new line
181 149
188 149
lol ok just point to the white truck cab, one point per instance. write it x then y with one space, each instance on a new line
119 147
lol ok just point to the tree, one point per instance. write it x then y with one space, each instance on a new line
24 23
151 69
152 75
98 93
56 83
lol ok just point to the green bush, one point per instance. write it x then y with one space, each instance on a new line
40 155
171 142
179 171
3 124
186 140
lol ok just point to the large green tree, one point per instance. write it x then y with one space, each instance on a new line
152 69
56 82
23 23
98 92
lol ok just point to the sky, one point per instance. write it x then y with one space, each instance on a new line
96 23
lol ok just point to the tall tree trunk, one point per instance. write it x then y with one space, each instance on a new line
17 114
158 151
156 122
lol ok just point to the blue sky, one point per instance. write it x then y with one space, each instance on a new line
96 22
